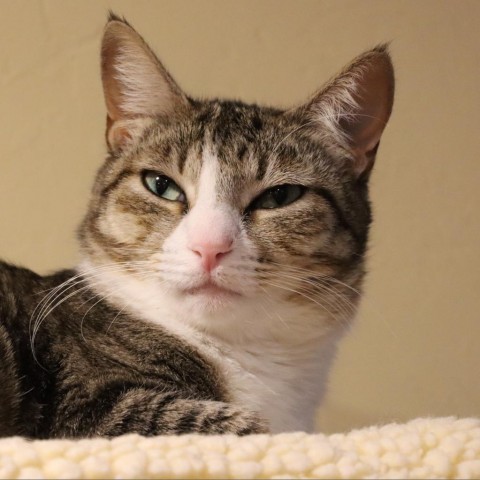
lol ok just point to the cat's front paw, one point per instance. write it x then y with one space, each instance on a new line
236 420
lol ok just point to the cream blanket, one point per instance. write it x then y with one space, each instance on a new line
422 448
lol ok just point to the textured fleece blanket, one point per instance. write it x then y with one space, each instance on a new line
422 448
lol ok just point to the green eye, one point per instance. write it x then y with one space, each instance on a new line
163 186
279 196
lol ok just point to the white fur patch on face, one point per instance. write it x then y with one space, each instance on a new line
210 225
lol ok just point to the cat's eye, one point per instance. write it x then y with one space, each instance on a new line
278 196
163 186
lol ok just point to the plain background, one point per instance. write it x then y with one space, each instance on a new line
415 348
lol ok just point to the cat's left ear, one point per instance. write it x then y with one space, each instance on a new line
352 110
137 87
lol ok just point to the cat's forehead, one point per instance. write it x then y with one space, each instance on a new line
249 144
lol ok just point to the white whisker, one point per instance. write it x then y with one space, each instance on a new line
50 302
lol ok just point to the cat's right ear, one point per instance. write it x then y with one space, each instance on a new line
352 110
137 87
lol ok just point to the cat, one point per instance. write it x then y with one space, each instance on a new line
222 253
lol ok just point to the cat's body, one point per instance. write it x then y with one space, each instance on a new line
81 353
222 257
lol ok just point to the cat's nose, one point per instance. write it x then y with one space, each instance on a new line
212 253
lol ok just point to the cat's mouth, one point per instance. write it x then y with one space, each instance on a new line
211 289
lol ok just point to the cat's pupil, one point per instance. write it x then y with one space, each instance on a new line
279 194
161 184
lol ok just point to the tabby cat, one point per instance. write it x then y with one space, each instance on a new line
222 258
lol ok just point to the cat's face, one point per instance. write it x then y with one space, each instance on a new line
218 204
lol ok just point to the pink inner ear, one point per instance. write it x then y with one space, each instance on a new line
111 86
374 98
135 83
353 109
116 135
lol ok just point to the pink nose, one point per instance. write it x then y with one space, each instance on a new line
211 253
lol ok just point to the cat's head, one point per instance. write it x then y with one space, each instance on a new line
209 205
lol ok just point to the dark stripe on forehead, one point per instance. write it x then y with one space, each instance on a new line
166 150
191 138
282 153
182 157
234 122
262 165
343 221
196 157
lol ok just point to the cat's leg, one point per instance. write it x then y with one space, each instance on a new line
149 412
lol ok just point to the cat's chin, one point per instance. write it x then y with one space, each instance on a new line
209 297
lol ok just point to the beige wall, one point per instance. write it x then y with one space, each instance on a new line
415 348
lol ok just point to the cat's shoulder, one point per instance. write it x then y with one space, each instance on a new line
12 276
19 281
15 282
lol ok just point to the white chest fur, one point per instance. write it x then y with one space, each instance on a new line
275 364
284 386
